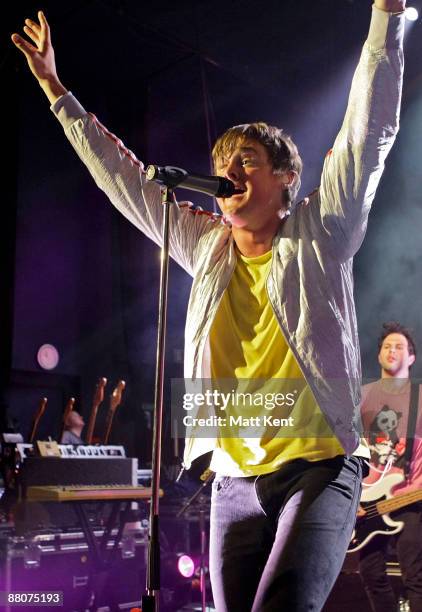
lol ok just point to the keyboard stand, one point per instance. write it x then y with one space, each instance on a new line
120 498
102 559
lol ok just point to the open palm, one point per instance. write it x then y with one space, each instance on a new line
40 53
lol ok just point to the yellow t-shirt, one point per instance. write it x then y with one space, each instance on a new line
246 345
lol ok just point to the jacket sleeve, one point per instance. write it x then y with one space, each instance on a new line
353 167
118 172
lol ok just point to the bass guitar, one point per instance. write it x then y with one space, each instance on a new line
377 502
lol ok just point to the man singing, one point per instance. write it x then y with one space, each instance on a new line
272 298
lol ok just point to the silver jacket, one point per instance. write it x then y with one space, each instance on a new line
310 285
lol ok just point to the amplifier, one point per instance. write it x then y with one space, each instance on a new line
62 562
348 594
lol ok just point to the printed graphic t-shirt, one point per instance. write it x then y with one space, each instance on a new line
385 412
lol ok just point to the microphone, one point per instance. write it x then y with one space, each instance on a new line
170 176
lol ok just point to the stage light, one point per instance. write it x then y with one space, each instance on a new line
176 581
186 566
177 568
411 13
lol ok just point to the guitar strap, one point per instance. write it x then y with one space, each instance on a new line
411 427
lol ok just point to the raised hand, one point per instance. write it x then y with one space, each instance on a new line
40 55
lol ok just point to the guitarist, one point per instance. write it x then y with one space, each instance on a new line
385 416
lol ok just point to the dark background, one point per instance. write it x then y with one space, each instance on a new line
167 77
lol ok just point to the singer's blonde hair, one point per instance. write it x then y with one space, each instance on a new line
281 149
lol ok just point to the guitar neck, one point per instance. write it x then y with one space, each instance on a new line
91 424
98 398
395 503
37 417
115 401
67 411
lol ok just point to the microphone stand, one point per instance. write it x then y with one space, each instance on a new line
150 601
168 177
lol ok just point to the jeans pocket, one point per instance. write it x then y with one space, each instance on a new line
355 465
348 484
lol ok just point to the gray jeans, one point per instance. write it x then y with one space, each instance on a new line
278 541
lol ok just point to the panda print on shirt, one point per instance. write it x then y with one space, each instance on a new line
384 443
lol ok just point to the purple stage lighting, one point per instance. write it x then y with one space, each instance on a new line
186 566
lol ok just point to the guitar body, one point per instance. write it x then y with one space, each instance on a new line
374 523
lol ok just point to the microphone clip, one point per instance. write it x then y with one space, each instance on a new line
168 176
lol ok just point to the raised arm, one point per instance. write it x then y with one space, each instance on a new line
353 168
40 56
115 169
